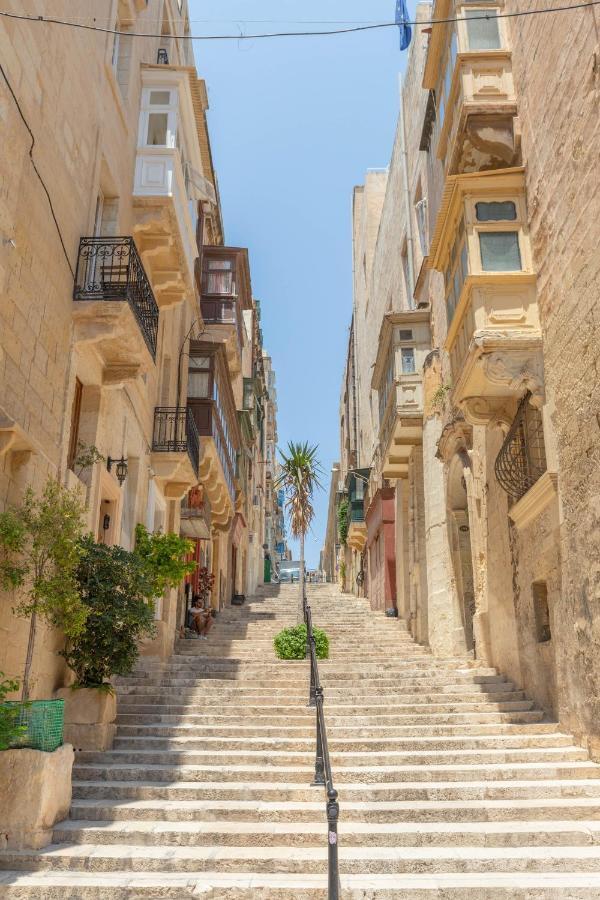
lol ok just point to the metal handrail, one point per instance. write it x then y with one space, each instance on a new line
323 774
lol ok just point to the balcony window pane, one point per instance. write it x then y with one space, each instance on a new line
483 34
406 335
500 251
160 98
464 261
198 385
496 212
408 361
157 130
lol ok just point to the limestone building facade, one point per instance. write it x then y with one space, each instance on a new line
126 322
476 343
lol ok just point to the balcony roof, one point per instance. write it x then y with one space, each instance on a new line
441 10
390 320
455 188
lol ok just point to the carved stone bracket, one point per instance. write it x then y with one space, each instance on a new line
457 435
490 411
519 372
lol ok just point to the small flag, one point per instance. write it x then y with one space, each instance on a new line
401 20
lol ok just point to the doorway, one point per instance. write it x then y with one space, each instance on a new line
459 527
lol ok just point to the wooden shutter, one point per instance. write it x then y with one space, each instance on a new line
75 417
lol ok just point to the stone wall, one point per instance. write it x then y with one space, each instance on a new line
557 74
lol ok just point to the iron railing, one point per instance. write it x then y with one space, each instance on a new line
522 457
323 775
110 268
175 431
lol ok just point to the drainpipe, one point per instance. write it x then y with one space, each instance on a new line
407 202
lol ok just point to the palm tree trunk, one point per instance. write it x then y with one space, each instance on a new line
301 579
29 657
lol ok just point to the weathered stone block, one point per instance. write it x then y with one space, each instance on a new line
36 793
89 717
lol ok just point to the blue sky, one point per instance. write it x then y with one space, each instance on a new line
295 123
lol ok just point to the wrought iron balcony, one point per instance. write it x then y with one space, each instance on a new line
522 458
175 431
110 268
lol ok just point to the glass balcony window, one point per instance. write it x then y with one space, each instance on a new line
483 33
219 276
500 251
408 361
496 211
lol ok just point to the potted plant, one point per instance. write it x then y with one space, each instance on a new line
39 555
118 587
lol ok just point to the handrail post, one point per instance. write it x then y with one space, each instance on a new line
333 812
319 759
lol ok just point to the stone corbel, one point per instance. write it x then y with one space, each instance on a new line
457 435
518 372
115 376
494 412
16 442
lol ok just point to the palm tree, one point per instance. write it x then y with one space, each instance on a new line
299 476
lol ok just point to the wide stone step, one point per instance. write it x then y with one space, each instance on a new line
344 727
225 692
333 711
344 774
353 860
129 704
422 811
266 791
533 743
480 756
172 736
397 834
285 886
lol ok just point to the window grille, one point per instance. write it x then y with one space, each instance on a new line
522 458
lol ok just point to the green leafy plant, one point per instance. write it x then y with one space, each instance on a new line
117 587
11 728
343 517
439 397
39 554
291 643
165 557
343 573
87 456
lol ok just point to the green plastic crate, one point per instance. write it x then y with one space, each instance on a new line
42 721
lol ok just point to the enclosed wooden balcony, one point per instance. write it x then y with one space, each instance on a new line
494 340
357 483
211 403
115 312
404 342
469 72
169 183
223 280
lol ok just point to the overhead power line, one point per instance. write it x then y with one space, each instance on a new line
35 168
280 34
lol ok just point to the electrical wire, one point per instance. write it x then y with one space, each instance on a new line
280 34
35 168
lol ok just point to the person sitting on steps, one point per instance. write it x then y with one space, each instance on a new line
201 620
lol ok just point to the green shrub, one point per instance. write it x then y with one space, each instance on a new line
291 643
117 588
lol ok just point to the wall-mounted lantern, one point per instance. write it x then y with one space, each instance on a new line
121 468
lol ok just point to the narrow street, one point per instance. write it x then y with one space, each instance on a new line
450 781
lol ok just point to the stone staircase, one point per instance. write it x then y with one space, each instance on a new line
451 784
